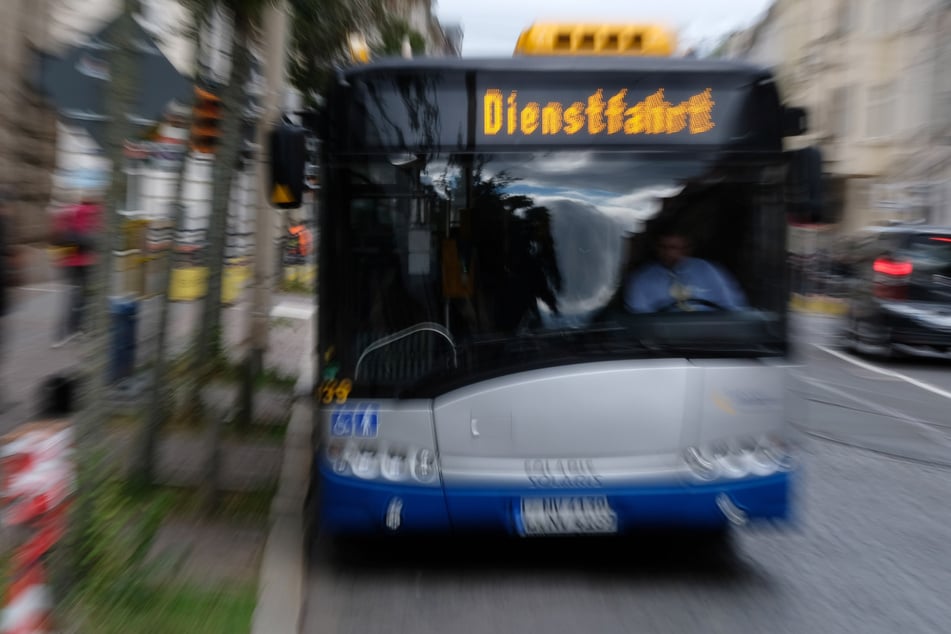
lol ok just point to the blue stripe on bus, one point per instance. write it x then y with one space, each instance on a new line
351 506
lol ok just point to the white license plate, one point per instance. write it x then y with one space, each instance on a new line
567 516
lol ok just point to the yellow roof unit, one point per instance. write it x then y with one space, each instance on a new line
570 38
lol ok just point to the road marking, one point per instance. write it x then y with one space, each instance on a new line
930 429
874 368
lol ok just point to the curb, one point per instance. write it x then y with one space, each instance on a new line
818 304
281 583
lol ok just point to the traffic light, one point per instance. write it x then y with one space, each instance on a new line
207 119
288 160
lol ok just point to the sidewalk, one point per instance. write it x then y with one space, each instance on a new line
28 357
268 551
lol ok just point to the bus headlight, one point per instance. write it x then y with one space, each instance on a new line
759 463
777 452
393 466
373 462
739 459
340 456
732 461
702 466
424 465
367 464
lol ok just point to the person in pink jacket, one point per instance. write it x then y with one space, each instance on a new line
76 230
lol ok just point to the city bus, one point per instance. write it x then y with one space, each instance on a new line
490 231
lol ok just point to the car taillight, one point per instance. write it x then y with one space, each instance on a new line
892 268
891 278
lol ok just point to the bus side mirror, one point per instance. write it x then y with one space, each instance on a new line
805 185
288 153
795 121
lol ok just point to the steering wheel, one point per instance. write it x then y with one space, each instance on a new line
692 300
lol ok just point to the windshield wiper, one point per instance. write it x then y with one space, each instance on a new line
426 326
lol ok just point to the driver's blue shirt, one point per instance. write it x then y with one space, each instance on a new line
655 287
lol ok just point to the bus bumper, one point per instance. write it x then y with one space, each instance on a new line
354 507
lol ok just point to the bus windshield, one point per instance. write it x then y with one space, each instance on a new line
461 267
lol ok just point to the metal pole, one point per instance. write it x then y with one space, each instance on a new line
274 45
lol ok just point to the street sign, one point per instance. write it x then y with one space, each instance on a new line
76 83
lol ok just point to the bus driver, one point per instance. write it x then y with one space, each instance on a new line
677 282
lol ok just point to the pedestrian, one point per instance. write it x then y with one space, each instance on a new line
9 273
76 230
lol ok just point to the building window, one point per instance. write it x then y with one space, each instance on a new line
917 94
846 16
840 115
941 105
881 111
926 85
882 16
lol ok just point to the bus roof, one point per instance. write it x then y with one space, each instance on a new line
610 64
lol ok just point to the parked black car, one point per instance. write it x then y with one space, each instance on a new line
900 291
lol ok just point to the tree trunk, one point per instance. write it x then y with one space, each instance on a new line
159 408
208 345
274 31
233 103
119 100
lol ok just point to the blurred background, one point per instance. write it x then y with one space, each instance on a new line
875 79
872 75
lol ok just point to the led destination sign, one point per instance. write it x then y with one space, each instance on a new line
507 114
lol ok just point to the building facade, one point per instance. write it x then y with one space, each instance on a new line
441 40
43 156
27 125
874 76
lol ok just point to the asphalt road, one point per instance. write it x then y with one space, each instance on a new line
868 552
900 408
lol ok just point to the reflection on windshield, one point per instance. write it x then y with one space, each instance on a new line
551 234
497 247
511 238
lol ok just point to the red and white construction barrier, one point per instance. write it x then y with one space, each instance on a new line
36 484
